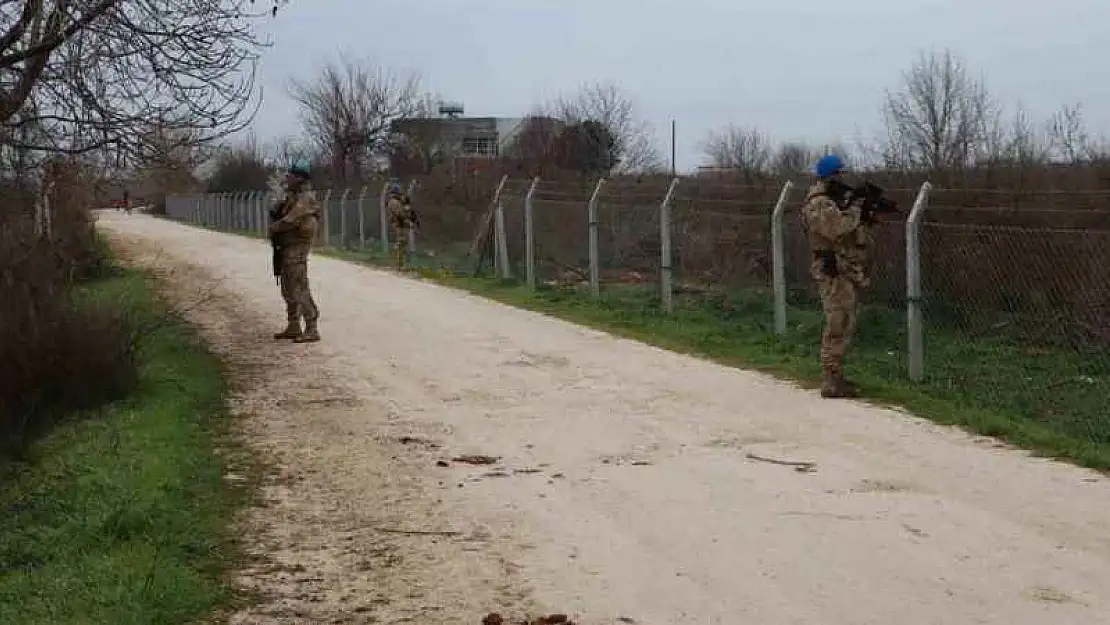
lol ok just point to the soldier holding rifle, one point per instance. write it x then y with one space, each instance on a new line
839 223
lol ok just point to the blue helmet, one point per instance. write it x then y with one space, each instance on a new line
829 165
300 168
395 188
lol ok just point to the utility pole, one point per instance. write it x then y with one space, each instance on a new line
674 150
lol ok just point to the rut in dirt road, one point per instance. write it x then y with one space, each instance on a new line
444 457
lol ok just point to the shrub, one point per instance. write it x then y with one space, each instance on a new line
57 353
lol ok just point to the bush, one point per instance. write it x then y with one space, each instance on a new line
57 353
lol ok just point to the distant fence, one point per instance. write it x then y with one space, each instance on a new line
948 267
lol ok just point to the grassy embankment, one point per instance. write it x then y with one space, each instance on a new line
122 515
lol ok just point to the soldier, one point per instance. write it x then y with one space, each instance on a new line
403 219
842 242
294 232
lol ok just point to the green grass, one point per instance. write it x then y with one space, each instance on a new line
121 516
1055 402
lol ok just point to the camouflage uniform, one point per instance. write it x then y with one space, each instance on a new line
402 218
842 244
295 230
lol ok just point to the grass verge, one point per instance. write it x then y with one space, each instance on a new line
121 515
1050 401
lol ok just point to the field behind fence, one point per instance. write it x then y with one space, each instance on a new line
994 298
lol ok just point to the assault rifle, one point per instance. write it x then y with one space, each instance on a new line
873 200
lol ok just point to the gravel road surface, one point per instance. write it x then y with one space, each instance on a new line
619 486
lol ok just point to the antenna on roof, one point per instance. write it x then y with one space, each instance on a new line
451 110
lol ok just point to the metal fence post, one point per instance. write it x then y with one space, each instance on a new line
343 218
383 216
325 227
915 354
595 256
666 277
778 257
529 236
501 243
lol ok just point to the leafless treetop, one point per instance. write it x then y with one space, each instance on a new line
938 116
83 75
347 108
607 104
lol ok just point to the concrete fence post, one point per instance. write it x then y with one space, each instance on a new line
666 255
530 235
595 252
778 257
362 218
501 243
915 348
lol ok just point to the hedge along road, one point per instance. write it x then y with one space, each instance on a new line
624 485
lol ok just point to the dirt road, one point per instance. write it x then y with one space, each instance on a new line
623 486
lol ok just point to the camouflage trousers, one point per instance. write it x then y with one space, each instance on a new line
839 298
294 290
400 246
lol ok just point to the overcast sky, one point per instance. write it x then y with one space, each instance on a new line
797 69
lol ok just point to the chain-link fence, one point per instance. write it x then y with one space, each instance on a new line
1002 299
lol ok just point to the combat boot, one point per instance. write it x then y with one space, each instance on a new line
835 386
292 331
310 335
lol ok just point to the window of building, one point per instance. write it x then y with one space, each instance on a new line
479 146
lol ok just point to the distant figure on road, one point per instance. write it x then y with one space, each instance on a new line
842 242
293 232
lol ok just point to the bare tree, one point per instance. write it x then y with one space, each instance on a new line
792 159
938 116
281 152
94 74
348 109
1068 135
746 151
608 105
169 158
239 166
537 142
1026 145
